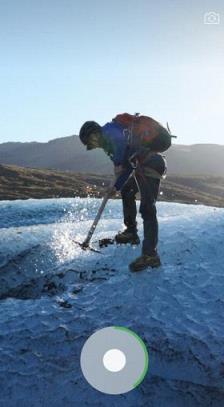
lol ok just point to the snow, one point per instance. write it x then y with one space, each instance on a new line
54 296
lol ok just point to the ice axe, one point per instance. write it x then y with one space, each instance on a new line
85 245
103 242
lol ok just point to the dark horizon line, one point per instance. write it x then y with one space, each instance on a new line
75 135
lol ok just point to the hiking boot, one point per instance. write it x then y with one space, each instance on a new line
127 236
144 261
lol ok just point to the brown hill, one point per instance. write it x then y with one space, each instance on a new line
23 183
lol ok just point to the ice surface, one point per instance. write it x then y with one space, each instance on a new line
54 295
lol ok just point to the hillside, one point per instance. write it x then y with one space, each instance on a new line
23 183
68 153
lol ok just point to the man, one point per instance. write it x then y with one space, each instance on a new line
150 167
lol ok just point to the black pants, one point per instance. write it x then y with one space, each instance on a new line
149 188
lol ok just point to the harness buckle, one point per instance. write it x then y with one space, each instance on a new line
133 161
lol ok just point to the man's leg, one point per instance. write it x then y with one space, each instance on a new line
149 188
128 194
149 191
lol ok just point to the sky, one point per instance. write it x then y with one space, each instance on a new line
68 61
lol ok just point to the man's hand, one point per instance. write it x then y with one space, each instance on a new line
118 169
112 192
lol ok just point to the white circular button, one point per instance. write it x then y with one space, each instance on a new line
114 360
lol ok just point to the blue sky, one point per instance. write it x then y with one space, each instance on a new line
68 61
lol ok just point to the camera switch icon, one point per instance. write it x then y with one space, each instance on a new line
212 17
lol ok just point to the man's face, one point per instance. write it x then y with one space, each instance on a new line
93 142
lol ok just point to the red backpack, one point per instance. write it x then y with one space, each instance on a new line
143 131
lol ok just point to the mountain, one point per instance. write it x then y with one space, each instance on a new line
65 153
68 153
